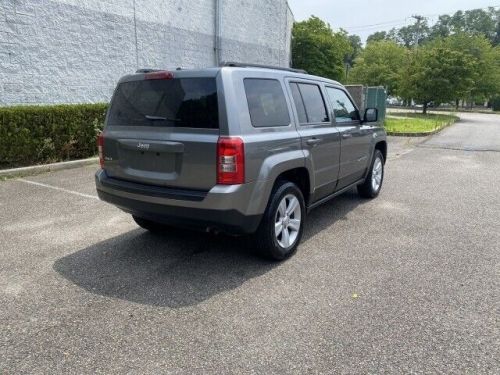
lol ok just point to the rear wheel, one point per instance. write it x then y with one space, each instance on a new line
149 225
281 228
373 183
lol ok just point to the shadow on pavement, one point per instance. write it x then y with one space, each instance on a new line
327 214
181 268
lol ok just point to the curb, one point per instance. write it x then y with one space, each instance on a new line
392 134
37 169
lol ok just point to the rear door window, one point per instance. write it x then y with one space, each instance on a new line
266 102
299 103
314 103
180 102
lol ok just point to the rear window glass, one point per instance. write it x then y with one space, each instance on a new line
266 103
182 102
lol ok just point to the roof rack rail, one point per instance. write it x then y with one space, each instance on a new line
147 70
245 65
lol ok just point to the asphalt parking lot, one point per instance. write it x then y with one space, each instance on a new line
408 282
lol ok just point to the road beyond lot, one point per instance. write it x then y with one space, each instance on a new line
408 282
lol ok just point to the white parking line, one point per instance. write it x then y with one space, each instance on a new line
58 188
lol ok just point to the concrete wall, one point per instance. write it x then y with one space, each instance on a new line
69 51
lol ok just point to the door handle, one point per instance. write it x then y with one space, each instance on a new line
313 141
346 135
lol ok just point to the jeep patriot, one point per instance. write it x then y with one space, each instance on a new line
240 149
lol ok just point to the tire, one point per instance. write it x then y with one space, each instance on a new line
149 225
373 182
282 245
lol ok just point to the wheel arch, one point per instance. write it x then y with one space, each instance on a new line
300 177
292 166
382 147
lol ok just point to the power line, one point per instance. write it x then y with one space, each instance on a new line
402 22
376 24
467 10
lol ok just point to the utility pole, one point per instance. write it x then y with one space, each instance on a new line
418 25
420 21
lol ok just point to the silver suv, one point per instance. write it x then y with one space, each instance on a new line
240 149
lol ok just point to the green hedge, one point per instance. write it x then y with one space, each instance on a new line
44 134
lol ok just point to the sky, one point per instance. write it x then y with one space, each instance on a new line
364 17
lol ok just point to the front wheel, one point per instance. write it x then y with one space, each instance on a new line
373 183
281 228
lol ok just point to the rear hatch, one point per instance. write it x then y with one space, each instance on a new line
162 129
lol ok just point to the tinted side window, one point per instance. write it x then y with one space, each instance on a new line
342 106
266 102
299 103
184 102
314 103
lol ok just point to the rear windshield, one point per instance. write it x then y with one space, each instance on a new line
181 102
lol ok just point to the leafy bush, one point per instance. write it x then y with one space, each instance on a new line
44 134
495 103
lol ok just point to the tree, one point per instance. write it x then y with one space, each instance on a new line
414 34
350 57
496 41
392 35
486 62
476 21
356 46
319 50
479 21
437 74
442 28
457 22
377 37
379 64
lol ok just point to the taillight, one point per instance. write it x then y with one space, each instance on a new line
230 161
161 74
100 149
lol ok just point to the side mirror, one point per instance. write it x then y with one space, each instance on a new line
371 115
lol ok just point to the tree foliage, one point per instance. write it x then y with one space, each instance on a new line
407 36
379 64
356 48
319 50
484 22
457 58
486 62
476 21
411 35
437 74
377 37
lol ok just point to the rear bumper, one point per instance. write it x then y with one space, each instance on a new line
221 209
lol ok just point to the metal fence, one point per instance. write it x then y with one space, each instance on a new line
369 97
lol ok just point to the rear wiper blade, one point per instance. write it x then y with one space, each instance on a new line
160 118
155 118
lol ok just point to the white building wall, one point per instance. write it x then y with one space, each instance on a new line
69 51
